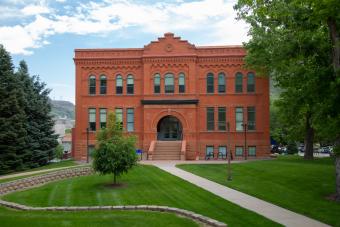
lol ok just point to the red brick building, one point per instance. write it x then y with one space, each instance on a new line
176 97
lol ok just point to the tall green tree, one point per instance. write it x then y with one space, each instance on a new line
12 118
114 154
293 49
296 42
41 139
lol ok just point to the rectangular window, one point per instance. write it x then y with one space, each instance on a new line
209 152
157 84
119 85
92 85
103 84
169 83
130 120
119 90
251 118
222 118
157 89
251 151
181 84
210 119
102 116
210 83
239 83
130 85
222 152
238 151
221 83
130 89
251 82
239 118
119 116
92 119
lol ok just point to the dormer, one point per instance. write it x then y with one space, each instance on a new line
169 45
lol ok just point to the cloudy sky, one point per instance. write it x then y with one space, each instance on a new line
45 33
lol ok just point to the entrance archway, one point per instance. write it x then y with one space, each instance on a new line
169 128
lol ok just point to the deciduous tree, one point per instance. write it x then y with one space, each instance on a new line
114 154
296 42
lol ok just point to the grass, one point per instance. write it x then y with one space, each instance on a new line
143 185
91 218
67 163
290 182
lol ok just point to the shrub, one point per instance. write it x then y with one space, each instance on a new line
59 152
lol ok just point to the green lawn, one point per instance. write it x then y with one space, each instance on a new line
143 185
291 182
12 218
67 163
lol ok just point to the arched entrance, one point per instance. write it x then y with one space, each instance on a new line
169 128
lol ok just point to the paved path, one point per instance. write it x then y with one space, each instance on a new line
35 172
268 210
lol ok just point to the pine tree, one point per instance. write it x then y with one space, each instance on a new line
12 117
40 139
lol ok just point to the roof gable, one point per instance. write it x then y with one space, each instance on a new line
169 45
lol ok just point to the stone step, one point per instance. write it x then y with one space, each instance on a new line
166 145
167 149
167 153
176 157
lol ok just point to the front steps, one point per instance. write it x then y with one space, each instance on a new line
167 150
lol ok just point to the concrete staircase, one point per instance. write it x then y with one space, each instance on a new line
167 150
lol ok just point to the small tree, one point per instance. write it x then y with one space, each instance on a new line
114 154
59 152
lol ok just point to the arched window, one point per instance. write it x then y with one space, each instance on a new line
169 83
239 82
251 82
221 83
102 84
129 84
210 83
181 83
119 84
157 84
92 85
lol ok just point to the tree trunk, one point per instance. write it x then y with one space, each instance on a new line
334 36
337 179
114 178
309 138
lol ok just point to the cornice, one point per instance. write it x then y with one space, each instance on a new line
98 61
169 59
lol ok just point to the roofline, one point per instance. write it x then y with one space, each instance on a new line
141 49
108 49
222 46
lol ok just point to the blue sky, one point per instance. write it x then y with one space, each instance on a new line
45 33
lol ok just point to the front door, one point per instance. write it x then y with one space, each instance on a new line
169 128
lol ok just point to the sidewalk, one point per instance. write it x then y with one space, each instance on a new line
266 209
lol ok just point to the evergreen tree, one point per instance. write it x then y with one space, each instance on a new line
40 138
12 117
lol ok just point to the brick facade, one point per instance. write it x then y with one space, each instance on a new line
172 55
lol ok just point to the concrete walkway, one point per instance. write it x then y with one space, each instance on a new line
268 210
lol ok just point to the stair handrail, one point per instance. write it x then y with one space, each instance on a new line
151 149
183 149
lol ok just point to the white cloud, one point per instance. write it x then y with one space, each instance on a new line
214 17
35 10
